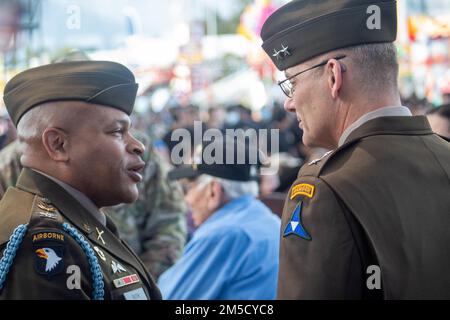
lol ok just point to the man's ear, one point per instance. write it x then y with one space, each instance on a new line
335 71
216 196
55 142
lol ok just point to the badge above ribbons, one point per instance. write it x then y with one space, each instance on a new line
295 226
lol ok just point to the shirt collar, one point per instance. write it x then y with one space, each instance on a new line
230 207
80 197
391 111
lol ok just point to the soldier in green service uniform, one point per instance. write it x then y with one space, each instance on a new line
78 156
154 225
371 218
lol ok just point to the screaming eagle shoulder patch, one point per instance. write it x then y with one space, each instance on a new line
48 247
295 226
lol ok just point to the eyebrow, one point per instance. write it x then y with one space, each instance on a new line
122 122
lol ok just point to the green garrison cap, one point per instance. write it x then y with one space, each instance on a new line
99 82
303 29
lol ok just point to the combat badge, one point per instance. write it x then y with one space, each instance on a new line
117 267
295 226
48 247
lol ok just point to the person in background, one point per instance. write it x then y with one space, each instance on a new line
234 252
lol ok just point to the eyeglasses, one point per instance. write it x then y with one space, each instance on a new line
286 85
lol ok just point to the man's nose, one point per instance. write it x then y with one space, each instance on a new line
288 105
135 146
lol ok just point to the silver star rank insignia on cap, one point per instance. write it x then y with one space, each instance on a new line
281 54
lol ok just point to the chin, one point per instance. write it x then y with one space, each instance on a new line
131 196
124 197
307 141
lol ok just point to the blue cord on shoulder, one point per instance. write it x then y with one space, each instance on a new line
10 252
97 275
16 239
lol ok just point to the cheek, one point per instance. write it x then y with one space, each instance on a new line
198 203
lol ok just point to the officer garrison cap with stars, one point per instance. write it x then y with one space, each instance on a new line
98 82
303 29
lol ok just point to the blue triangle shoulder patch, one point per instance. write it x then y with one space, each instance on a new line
295 226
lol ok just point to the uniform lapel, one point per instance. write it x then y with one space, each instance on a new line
78 215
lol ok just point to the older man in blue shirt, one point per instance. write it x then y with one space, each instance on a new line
234 252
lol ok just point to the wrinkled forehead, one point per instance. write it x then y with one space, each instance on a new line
81 113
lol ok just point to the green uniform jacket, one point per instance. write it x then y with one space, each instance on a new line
381 200
50 263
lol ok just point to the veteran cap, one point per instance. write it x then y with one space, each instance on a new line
303 29
99 82
236 160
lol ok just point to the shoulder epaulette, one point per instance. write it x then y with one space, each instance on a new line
314 167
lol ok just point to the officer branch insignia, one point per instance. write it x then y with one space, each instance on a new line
48 246
295 226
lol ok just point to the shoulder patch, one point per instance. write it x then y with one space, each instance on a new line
294 225
304 189
48 247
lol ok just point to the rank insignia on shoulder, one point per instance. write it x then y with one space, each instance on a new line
48 246
304 189
46 207
49 215
295 226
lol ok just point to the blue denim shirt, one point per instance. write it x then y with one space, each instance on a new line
232 255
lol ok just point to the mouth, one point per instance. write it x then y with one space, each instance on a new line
135 171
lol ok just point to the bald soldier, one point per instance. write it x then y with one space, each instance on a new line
78 155
371 218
